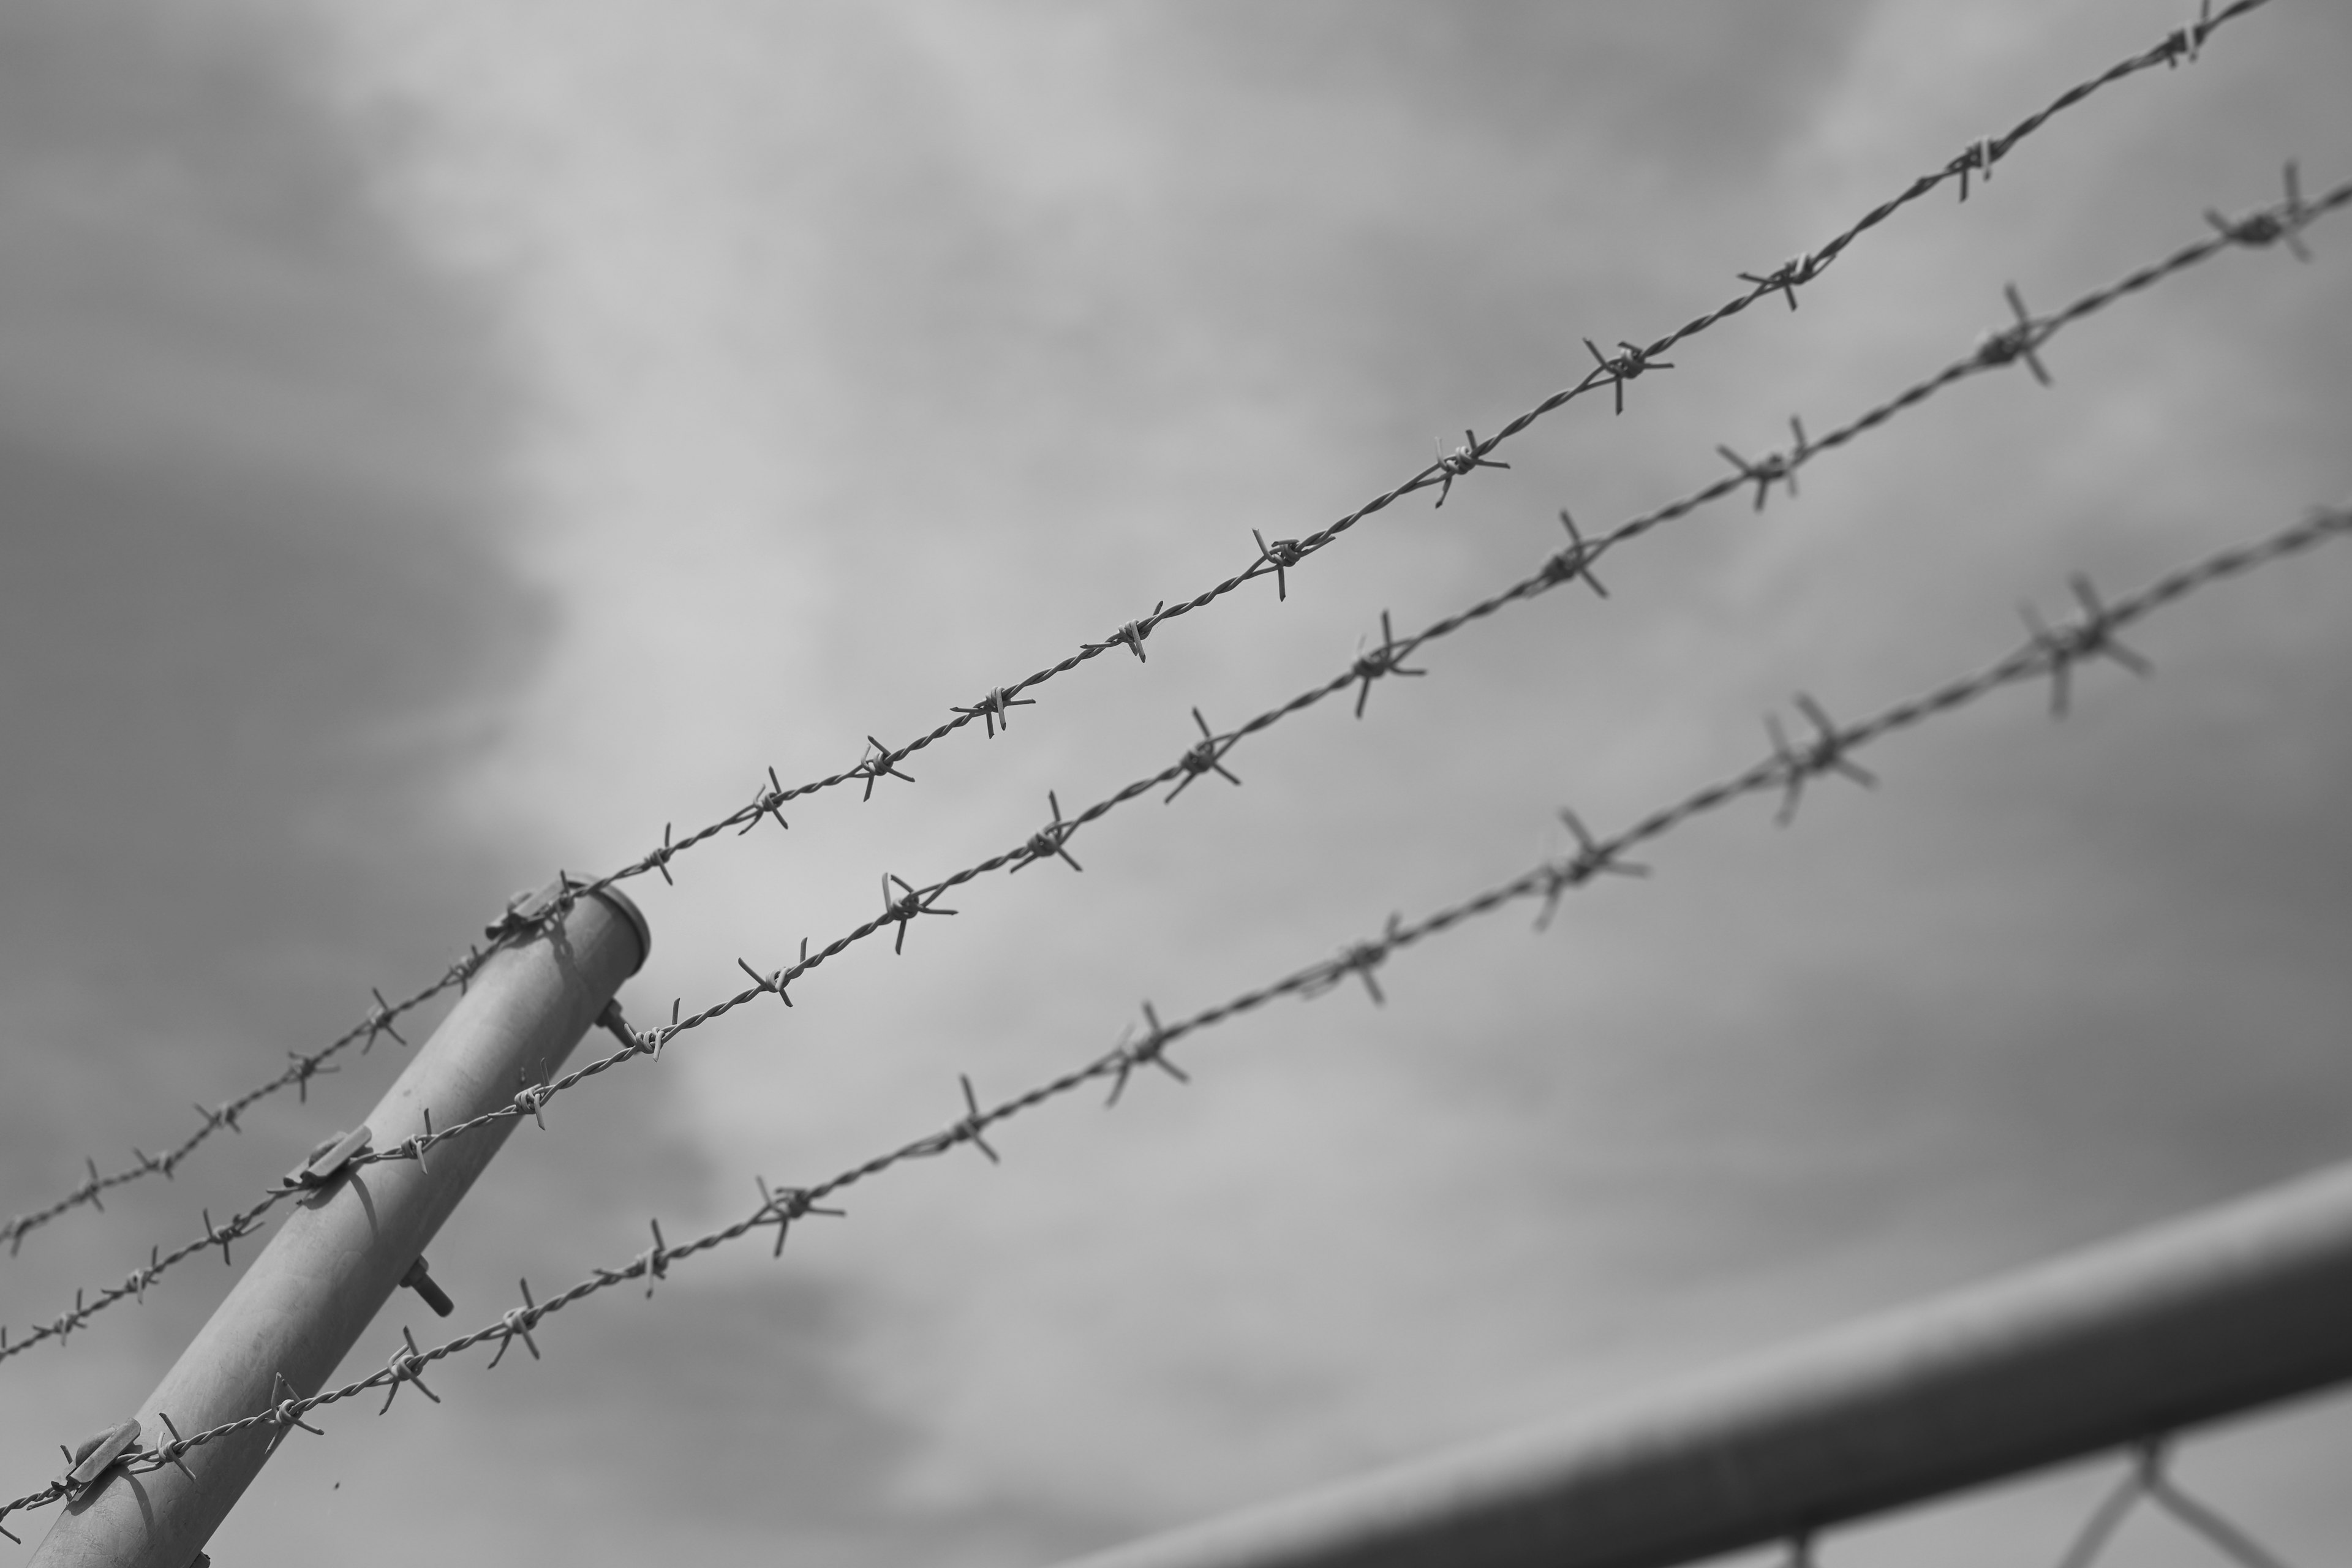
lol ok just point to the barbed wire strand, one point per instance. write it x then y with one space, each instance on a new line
1275 557
2021 339
2050 652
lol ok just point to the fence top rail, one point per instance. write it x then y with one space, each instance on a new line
2117 1345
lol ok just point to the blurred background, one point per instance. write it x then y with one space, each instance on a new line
443 442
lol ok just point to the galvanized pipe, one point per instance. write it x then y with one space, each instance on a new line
339 1255
2196 1318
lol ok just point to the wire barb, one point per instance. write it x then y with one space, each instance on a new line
1791 275
1459 463
1282 555
2093 637
882 764
766 802
2018 340
784 1205
1621 367
1576 561
775 983
1130 636
1384 660
1776 468
2187 42
1049 841
994 710
379 1021
908 905
1204 757
405 1366
970 1130
515 1323
1977 158
1593 857
1825 753
2270 225
285 1414
1152 1050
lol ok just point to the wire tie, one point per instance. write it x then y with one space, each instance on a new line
1203 758
328 1159
95 1455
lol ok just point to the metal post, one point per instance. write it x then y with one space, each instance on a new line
335 1261
2200 1318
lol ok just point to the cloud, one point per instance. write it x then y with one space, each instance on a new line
863 359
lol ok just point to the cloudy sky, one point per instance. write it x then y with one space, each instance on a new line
444 442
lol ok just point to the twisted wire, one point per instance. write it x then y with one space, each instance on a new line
2049 653
901 910
1277 557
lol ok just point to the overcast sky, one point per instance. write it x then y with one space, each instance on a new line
444 442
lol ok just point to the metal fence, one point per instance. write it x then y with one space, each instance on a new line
2125 1349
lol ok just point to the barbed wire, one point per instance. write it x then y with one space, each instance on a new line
1275 557
2021 341
2051 652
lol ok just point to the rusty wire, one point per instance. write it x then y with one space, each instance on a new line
902 908
1277 557
2048 653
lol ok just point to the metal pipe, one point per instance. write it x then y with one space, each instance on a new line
2196 1318
341 1254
